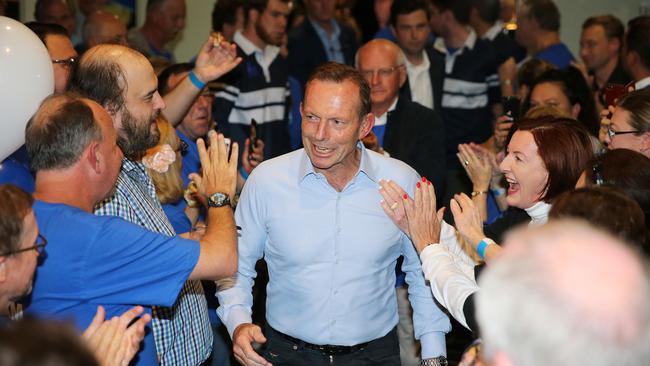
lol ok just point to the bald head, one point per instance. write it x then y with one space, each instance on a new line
382 48
104 27
381 62
60 130
568 288
102 74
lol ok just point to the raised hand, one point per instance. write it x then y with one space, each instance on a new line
424 222
467 218
219 167
214 61
392 195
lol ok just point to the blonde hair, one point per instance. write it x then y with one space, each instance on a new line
169 185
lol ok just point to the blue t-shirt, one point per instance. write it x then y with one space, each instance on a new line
176 214
15 170
101 260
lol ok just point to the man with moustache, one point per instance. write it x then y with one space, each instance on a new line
123 82
258 88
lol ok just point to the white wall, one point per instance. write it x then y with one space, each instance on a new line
574 12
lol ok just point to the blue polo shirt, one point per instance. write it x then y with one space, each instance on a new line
102 260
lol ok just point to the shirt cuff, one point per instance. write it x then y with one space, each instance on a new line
236 317
433 345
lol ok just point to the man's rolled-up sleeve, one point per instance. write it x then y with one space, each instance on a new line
429 321
236 301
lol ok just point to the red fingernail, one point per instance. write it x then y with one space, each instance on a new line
405 196
429 182
424 179
418 185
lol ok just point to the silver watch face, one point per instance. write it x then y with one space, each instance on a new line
218 199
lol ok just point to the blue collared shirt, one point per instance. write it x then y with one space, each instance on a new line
331 255
331 43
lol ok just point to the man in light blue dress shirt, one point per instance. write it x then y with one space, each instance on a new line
314 215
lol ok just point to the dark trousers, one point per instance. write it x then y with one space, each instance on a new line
282 352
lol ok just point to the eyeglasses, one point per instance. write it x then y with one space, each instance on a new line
611 133
39 245
383 73
66 62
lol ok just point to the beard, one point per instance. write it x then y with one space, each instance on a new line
136 136
265 36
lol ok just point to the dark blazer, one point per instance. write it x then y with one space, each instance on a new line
306 51
415 135
437 75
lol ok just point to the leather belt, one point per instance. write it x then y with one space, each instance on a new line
327 349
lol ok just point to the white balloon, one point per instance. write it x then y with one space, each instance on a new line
26 78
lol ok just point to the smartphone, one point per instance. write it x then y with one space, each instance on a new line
252 136
511 106
614 92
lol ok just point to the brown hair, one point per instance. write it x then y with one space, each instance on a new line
612 26
605 207
637 103
544 12
564 146
625 169
15 204
338 73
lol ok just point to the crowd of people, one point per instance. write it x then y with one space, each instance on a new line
385 182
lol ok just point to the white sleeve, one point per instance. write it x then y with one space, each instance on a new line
449 279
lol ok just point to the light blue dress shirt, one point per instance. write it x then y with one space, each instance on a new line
331 255
332 44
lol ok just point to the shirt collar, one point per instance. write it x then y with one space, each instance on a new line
366 165
130 165
494 31
249 47
336 30
538 213
384 117
418 68
470 42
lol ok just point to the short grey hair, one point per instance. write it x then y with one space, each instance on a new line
60 131
531 308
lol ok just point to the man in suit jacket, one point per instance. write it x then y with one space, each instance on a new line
320 38
425 68
405 129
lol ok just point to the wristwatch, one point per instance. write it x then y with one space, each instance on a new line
434 361
218 200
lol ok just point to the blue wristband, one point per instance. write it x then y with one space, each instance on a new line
482 245
243 173
195 80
